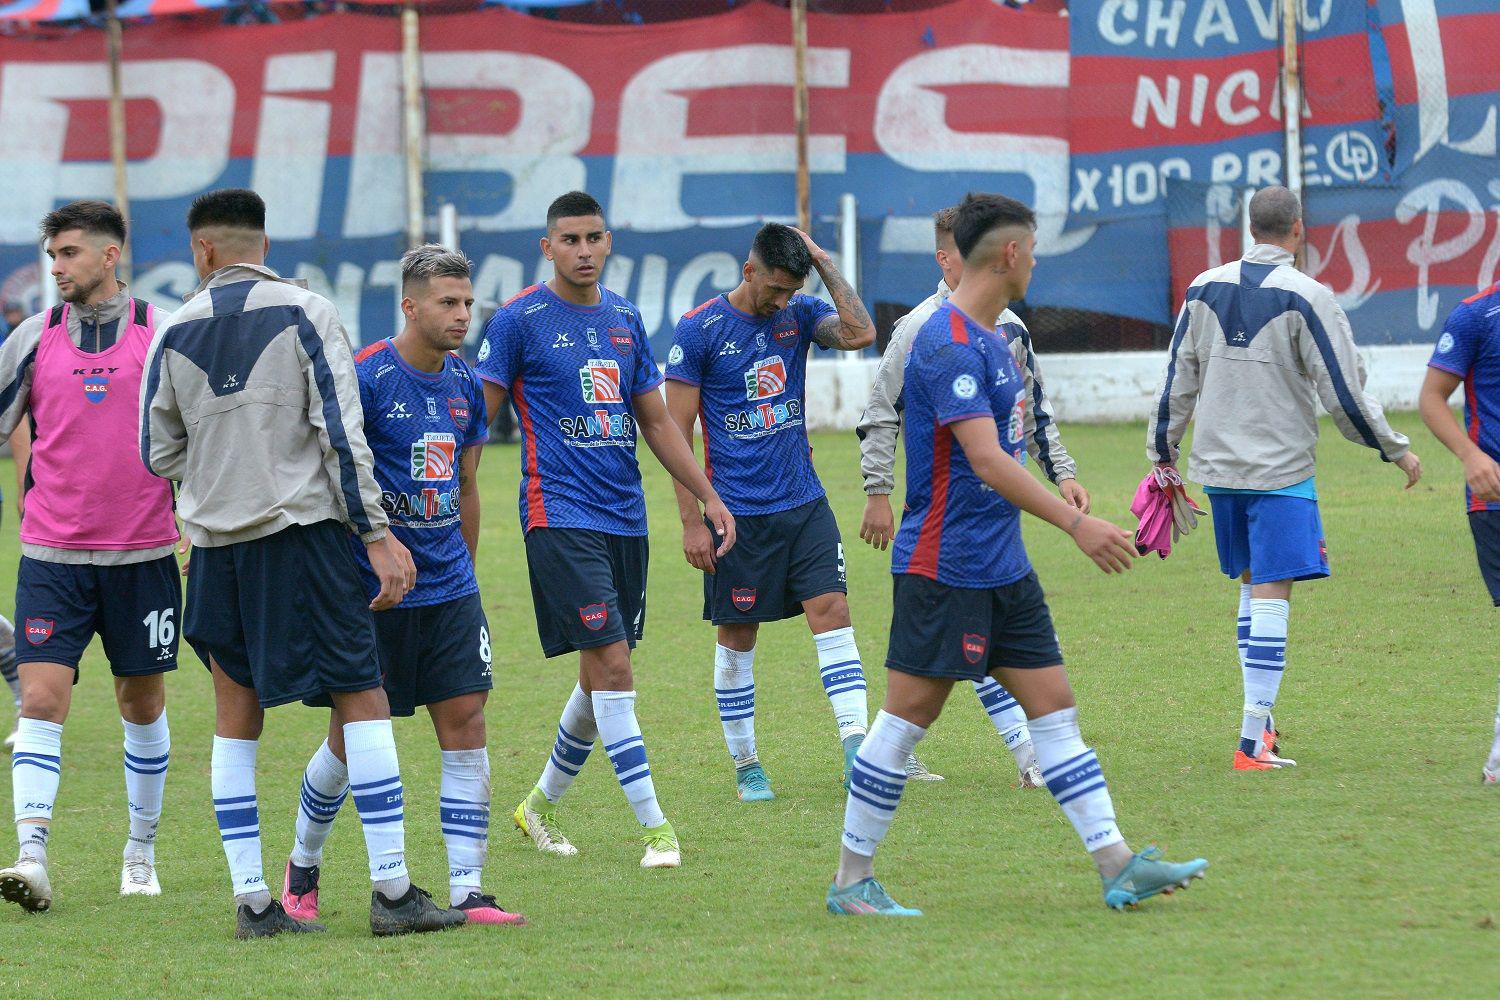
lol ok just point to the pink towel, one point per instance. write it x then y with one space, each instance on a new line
1154 508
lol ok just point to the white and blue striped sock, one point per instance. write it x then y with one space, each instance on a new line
843 680
8 668
1242 621
1072 773
232 781
1007 715
148 748
375 781
876 781
464 813
576 733
35 769
1265 662
325 786
614 713
734 687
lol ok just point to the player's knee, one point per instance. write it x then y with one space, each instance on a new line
39 702
740 637
827 612
141 699
460 723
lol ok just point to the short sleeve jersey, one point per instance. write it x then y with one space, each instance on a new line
956 529
418 425
573 373
752 374
1469 347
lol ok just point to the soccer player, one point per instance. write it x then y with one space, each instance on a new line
1468 351
1257 345
967 602
880 426
573 358
739 362
97 533
251 402
424 421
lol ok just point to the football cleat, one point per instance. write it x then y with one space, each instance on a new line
269 922
481 909
917 771
1032 777
662 850
865 898
851 748
1268 755
1147 875
413 913
1244 762
10 738
299 891
752 785
541 826
25 883
138 877
1490 777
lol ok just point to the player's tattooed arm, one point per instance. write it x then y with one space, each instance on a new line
852 329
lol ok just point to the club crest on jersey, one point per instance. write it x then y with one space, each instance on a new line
601 381
593 336
433 457
786 330
39 630
458 409
974 647
96 388
594 616
765 379
620 337
743 598
431 407
760 341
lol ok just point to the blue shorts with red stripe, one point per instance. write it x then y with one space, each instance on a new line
1273 536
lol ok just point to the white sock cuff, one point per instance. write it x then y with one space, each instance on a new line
325 769
1270 616
733 660
228 752
476 760
608 704
147 732
900 733
1245 599
834 637
38 735
1059 724
371 734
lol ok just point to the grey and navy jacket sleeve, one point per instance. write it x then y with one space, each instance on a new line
1333 362
163 432
1043 441
880 424
335 411
1178 393
17 356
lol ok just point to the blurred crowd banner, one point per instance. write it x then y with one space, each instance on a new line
1133 126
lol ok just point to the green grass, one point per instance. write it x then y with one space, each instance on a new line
1368 869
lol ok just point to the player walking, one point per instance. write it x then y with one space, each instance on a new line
880 427
424 421
573 357
967 602
251 402
1257 345
96 542
1468 351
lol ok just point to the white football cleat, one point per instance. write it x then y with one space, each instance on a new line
543 830
138 877
662 850
1490 777
1031 777
917 771
26 884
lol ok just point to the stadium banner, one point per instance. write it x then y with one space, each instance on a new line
684 129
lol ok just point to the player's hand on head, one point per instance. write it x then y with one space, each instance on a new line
723 522
698 546
1111 547
812 247
1483 476
1412 466
878 526
1076 496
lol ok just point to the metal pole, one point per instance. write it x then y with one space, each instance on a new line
1246 240
799 64
849 239
117 155
414 126
448 225
46 288
1291 96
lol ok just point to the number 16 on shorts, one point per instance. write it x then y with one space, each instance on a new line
161 633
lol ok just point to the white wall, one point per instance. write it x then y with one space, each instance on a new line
1095 388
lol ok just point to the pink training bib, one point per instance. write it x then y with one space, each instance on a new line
88 488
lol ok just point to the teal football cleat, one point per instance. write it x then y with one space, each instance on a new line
1146 876
851 747
866 898
752 785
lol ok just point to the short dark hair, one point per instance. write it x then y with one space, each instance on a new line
779 248
978 214
1273 212
571 205
99 218
237 208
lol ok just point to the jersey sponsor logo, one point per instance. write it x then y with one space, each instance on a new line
964 387
594 616
974 646
383 370
743 598
601 381
764 417
433 456
428 504
728 349
95 388
39 630
458 409
765 379
620 337
564 339
1445 343
232 382
716 317
674 356
398 411
1017 424
612 428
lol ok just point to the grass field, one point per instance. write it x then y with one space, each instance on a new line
1369 869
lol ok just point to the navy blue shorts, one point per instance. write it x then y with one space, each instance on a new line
778 561
1274 537
134 609
588 587
285 614
1485 524
964 634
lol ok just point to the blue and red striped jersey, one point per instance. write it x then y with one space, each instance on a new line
1469 347
955 529
751 372
573 373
